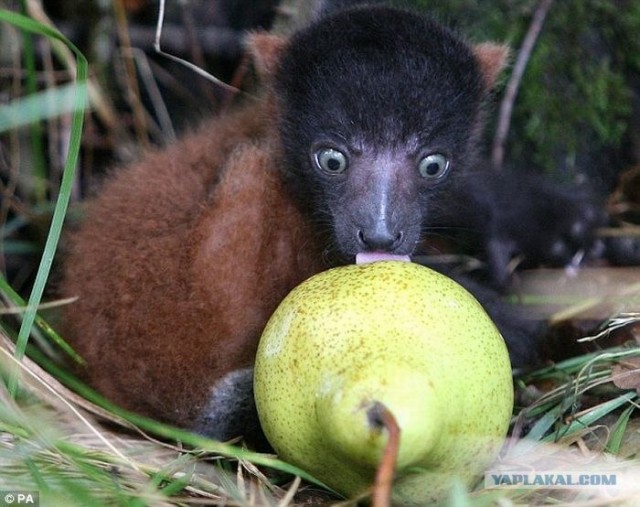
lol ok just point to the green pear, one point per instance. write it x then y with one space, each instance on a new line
394 333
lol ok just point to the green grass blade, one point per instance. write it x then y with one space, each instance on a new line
52 335
40 106
619 430
590 417
77 120
573 365
37 145
546 422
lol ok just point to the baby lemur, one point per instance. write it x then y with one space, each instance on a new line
363 140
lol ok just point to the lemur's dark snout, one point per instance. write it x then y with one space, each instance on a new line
380 239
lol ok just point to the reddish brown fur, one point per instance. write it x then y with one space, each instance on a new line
180 262
491 58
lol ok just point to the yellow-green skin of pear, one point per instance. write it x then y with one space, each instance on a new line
395 333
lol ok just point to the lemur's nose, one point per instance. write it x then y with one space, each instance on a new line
380 239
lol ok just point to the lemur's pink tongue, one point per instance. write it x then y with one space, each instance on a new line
367 257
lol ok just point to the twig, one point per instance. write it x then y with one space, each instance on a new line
130 74
195 47
506 107
181 61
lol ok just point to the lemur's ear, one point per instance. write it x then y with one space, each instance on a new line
266 49
492 58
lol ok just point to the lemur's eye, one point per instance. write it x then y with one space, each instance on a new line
331 161
434 166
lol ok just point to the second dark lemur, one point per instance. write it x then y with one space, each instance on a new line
362 141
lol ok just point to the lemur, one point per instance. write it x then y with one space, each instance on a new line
364 139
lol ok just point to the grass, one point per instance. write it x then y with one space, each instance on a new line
63 440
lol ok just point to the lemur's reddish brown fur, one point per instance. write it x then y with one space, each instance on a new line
166 237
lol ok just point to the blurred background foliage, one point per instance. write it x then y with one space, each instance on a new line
576 116
578 109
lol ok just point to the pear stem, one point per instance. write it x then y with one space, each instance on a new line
381 417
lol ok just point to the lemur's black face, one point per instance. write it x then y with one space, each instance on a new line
379 109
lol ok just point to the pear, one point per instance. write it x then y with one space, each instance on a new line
391 333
